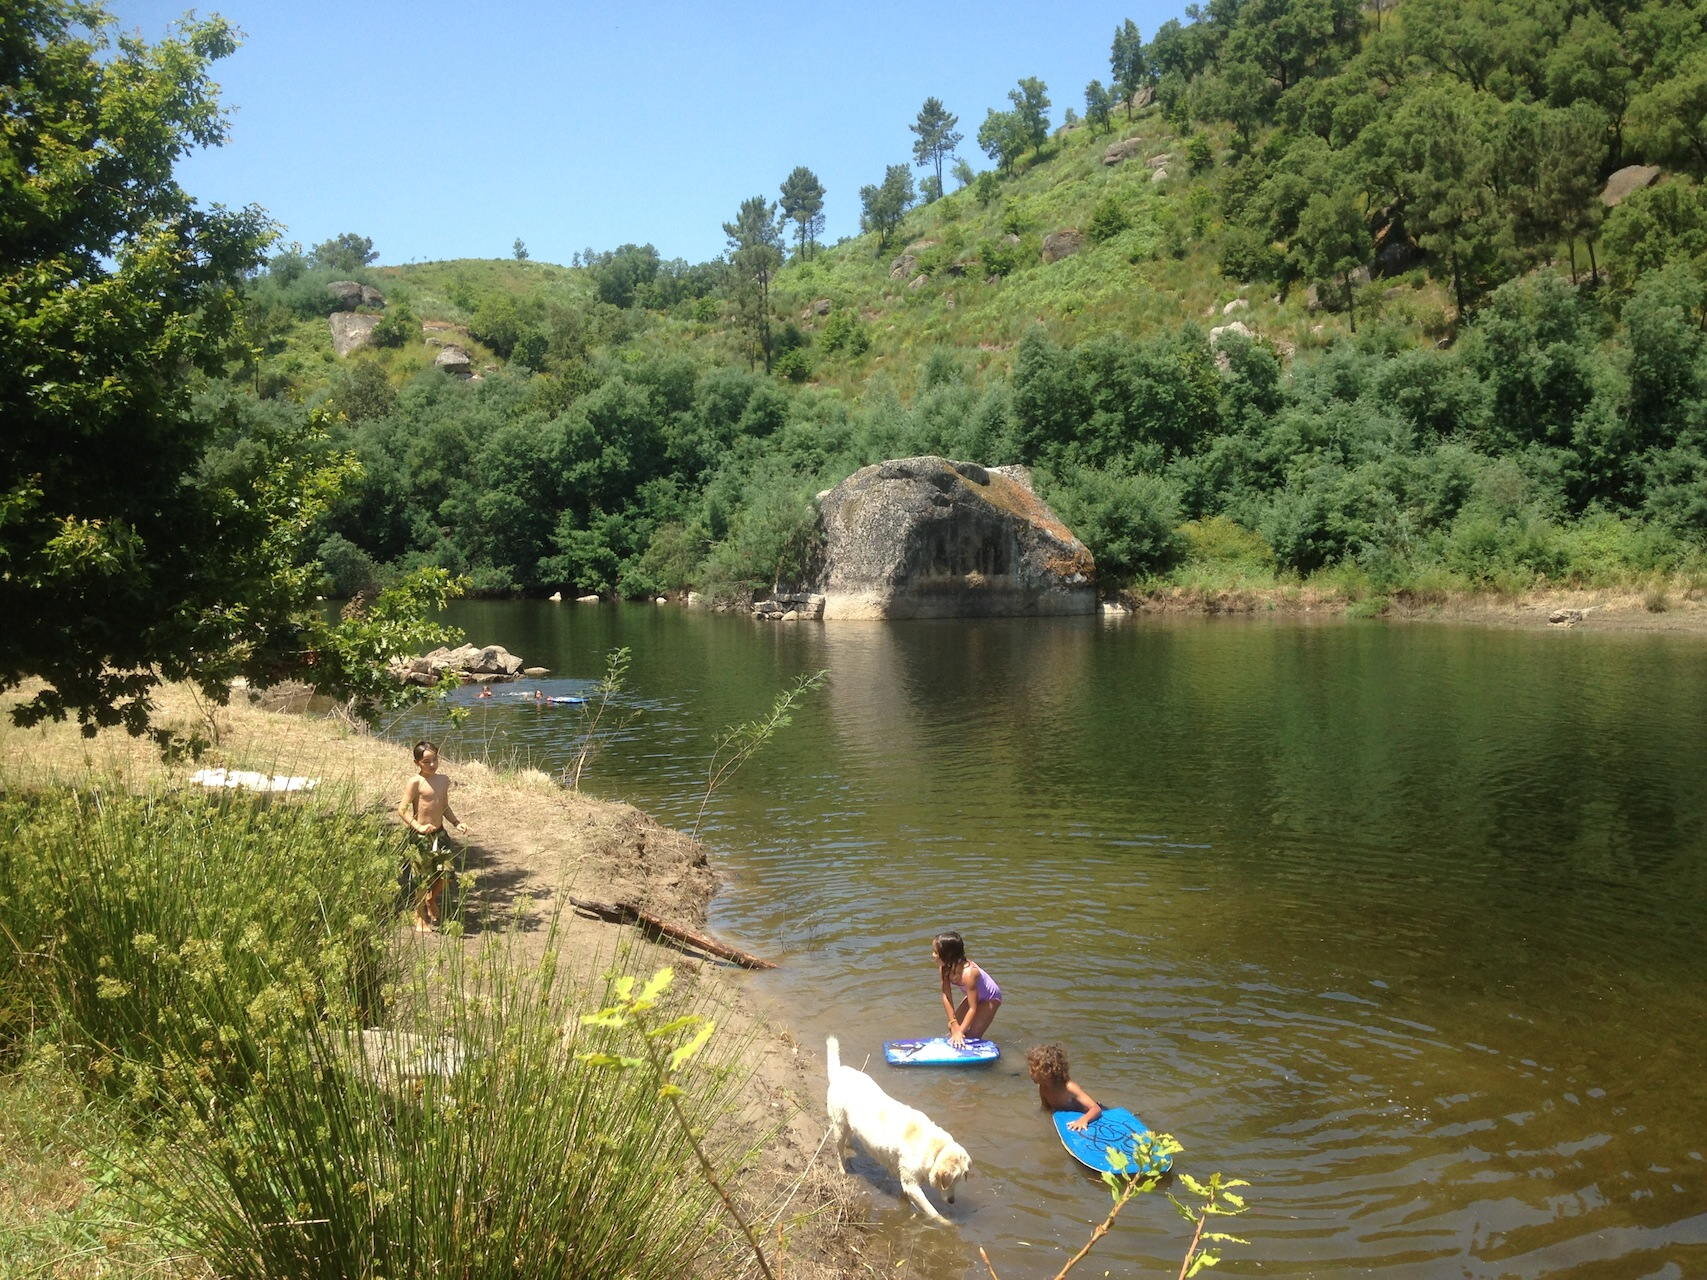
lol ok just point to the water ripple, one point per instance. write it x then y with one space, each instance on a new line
1398 924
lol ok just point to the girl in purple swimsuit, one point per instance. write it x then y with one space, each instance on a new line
977 1010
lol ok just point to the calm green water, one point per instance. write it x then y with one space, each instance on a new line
1401 924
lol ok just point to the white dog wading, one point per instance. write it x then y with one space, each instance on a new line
915 1147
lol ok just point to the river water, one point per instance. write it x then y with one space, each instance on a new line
1401 924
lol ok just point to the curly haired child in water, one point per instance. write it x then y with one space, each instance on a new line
1056 1089
977 1009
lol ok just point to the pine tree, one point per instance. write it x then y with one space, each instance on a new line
1127 65
755 255
937 139
1098 106
884 206
803 205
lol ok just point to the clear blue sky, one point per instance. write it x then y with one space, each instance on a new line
447 130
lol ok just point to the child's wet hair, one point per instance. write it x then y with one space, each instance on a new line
422 747
1049 1060
949 948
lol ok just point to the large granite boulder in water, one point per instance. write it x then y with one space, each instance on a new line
930 538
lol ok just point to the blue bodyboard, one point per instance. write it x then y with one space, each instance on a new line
566 702
938 1052
1115 1127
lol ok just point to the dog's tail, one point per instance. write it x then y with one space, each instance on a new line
833 1053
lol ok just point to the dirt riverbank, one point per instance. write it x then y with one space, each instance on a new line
531 846
1678 608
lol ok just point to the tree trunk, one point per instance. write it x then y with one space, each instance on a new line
765 322
628 913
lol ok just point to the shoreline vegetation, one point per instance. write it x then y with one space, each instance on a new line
206 978
1662 603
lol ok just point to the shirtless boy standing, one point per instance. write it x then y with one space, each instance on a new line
426 808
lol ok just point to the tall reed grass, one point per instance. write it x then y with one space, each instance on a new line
312 1091
140 921
477 1143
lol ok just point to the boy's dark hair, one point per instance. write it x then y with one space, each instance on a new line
1048 1059
422 747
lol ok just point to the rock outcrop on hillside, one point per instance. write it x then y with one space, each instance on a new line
1631 178
1125 148
349 295
455 361
1062 244
929 538
350 331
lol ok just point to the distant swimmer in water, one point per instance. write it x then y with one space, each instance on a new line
485 691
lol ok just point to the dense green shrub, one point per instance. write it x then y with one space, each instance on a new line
298 289
669 562
1509 553
1108 219
794 365
1221 541
349 570
1312 522
1129 523
361 391
1246 254
772 539
1002 256
1659 226
845 331
397 327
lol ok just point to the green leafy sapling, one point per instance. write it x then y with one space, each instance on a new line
1216 1200
1143 1171
738 743
595 712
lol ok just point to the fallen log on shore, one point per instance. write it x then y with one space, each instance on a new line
651 925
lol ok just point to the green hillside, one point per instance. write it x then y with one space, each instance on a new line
1456 364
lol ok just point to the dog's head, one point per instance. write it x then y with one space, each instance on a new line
951 1165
